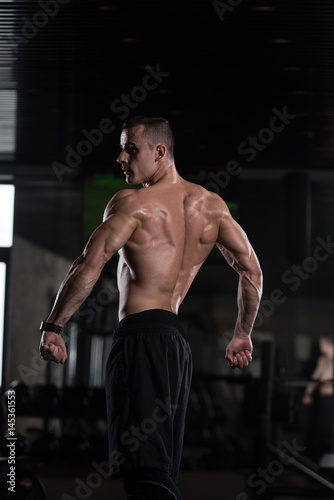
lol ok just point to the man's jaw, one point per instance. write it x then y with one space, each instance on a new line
128 174
126 170
129 177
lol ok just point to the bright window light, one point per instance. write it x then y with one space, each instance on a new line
7 193
8 80
8 107
2 312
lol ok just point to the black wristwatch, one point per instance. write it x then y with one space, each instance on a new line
50 327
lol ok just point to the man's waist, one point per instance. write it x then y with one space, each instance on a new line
149 319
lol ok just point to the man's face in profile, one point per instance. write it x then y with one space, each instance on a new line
137 158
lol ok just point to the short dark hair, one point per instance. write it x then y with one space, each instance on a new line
157 129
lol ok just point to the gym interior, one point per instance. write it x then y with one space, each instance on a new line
247 87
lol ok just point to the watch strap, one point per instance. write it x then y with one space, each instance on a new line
50 327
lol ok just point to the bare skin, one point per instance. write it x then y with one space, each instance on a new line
323 372
163 233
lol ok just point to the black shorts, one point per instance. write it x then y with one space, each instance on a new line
148 379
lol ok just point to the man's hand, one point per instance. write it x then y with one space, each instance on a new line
307 399
52 347
239 352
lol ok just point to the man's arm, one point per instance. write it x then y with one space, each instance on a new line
233 243
316 375
108 238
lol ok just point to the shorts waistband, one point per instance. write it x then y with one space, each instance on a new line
150 318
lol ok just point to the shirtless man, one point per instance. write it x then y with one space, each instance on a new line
323 372
320 431
163 233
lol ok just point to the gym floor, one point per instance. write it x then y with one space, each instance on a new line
71 482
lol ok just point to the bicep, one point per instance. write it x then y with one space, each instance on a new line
233 242
108 238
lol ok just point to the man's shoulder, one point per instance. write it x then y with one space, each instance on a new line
200 192
122 201
124 193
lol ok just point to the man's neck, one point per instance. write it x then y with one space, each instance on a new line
165 173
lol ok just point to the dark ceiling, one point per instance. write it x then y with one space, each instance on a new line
223 70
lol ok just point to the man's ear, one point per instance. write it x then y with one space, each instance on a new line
160 152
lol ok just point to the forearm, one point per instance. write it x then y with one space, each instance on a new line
249 297
74 290
309 390
316 376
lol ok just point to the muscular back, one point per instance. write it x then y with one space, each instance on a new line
175 228
163 234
